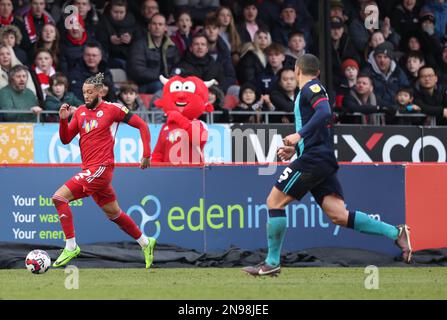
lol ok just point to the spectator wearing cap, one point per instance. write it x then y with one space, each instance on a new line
337 10
405 17
387 76
342 47
289 21
430 96
439 10
360 31
250 23
270 10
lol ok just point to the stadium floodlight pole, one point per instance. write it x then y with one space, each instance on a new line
324 39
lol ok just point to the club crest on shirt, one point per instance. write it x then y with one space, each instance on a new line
100 113
125 110
315 88
90 125
173 136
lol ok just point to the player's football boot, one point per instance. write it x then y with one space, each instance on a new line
66 256
263 269
403 242
149 252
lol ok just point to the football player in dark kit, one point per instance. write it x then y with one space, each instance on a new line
315 171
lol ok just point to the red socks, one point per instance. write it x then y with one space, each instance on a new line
128 225
65 215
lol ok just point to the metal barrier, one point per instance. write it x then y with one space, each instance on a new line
379 118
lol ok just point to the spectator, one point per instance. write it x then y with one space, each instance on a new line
58 94
350 70
8 60
253 58
439 9
342 48
219 51
152 56
431 97
117 33
337 10
183 36
228 32
73 44
128 96
198 62
89 17
413 62
296 47
7 18
148 9
289 22
50 40
36 18
16 96
405 17
216 97
87 66
284 94
387 76
443 66
43 67
405 105
198 8
359 33
275 62
249 101
11 36
250 23
375 39
361 99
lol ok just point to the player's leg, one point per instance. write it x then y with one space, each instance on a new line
61 199
329 195
106 199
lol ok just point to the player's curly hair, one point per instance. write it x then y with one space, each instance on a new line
97 80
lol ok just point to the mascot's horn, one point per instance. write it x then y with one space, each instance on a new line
210 83
163 79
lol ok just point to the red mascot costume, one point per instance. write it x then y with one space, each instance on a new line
183 137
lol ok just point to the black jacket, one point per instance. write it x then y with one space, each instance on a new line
204 68
432 105
249 68
146 61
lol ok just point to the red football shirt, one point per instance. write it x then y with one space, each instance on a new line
97 132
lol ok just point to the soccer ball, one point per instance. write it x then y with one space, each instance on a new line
38 261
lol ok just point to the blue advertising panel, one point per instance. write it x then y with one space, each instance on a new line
128 146
206 209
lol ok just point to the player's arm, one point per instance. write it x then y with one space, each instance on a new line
135 121
67 131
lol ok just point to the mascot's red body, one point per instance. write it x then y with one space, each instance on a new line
183 137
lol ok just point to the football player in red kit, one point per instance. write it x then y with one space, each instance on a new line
93 122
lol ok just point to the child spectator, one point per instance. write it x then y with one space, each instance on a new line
183 36
275 57
296 47
229 33
49 39
404 100
128 96
413 62
249 100
43 67
58 94
350 70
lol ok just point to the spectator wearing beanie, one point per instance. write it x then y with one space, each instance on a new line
387 76
349 70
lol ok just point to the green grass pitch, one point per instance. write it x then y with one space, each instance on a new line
231 283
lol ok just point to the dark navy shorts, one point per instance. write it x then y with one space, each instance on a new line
296 182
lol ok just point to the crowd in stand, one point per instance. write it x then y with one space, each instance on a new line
392 67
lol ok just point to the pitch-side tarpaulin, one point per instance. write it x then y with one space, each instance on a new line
129 255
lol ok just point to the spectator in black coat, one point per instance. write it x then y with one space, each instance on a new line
284 94
198 62
405 17
250 24
253 59
430 97
118 31
290 21
151 56
219 51
89 65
